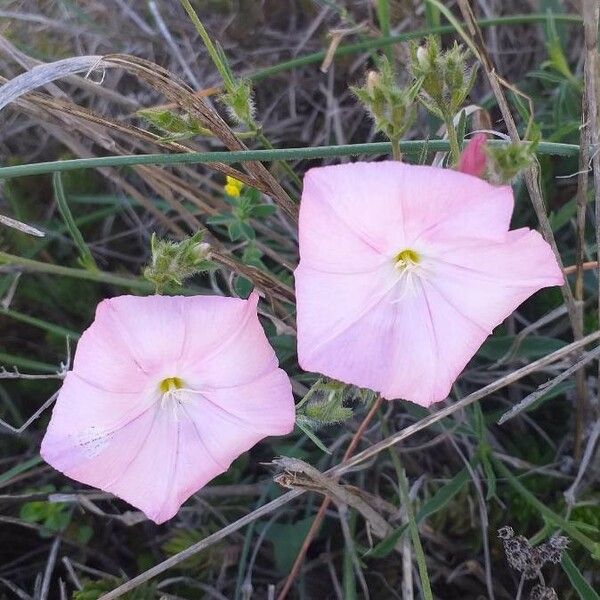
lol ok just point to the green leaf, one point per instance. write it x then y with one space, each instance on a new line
583 588
443 495
84 534
85 255
242 287
385 547
219 219
247 231
304 426
532 347
287 540
34 461
235 230
263 210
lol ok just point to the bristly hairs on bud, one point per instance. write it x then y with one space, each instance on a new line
391 106
328 402
443 81
508 161
173 125
174 262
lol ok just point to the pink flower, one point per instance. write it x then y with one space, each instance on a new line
404 271
164 394
473 159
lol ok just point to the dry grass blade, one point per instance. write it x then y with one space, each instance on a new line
41 75
544 389
19 226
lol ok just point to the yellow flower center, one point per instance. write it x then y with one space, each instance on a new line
170 384
406 259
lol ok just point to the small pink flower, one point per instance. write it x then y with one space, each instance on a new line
473 158
404 271
164 394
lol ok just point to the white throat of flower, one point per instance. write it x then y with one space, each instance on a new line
174 394
407 264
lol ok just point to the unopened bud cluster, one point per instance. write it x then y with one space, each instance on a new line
174 262
392 107
330 402
443 78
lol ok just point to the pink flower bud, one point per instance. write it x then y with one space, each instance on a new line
473 159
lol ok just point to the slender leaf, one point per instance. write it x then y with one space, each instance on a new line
583 588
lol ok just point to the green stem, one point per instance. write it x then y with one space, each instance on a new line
453 139
551 516
382 42
396 152
404 489
41 324
212 51
27 264
226 157
262 138
86 257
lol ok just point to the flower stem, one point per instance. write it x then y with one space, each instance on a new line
238 156
212 51
27 264
453 139
396 152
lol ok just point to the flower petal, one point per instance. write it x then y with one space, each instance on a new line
229 422
330 303
232 348
390 205
473 158
104 359
152 327
488 281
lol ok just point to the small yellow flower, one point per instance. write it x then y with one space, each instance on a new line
233 186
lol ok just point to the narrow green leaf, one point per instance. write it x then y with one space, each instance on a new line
443 495
583 588
312 436
34 461
438 501
9 361
85 255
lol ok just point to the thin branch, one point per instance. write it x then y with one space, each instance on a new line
32 418
316 524
544 389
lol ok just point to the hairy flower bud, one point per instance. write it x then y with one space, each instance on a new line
442 76
173 262
392 107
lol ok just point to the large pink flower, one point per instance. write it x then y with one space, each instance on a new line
404 271
164 394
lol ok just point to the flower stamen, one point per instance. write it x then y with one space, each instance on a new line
406 259
170 384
